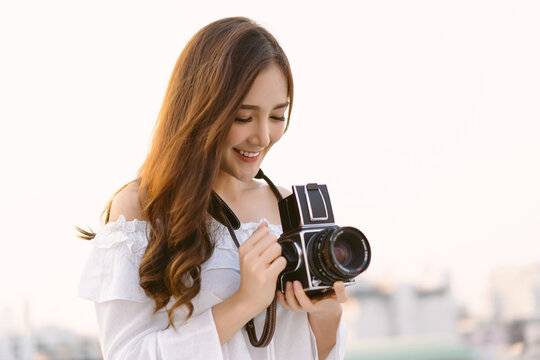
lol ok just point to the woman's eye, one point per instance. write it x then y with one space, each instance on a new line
243 120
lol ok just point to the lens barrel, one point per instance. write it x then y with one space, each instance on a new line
338 254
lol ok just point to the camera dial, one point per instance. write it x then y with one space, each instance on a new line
291 251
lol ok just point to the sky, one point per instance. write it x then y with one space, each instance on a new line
422 118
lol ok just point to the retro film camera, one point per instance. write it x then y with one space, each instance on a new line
318 252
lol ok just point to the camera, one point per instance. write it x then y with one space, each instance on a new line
318 252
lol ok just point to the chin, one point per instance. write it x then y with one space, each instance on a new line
246 176
243 175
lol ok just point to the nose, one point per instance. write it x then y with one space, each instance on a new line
261 133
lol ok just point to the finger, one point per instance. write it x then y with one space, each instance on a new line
277 266
281 299
330 294
301 296
271 253
291 299
341 294
259 233
263 244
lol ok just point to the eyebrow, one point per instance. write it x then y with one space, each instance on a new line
255 107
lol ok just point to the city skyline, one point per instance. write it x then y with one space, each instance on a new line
400 322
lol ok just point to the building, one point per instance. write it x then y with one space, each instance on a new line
405 310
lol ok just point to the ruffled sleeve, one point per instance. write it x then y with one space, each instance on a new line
112 270
129 327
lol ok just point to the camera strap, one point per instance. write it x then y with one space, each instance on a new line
223 213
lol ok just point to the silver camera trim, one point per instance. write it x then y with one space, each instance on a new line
315 288
302 223
308 200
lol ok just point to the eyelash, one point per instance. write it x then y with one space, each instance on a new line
278 118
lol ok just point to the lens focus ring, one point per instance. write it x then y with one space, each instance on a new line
339 254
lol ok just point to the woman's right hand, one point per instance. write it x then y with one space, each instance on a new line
260 264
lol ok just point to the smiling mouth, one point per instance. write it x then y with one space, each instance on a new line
246 153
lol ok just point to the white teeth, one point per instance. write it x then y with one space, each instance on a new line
247 154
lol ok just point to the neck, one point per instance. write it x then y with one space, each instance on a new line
230 188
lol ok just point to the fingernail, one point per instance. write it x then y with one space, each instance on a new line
288 285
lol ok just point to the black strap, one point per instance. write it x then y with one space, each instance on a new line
223 213
261 175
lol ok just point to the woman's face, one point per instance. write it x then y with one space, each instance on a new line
258 124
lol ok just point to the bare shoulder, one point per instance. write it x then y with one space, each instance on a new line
126 203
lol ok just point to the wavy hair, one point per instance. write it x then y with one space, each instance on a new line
211 77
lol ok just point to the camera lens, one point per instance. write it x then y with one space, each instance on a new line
343 252
339 253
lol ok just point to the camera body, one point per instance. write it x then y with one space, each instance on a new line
318 252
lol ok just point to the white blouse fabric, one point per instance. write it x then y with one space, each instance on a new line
129 328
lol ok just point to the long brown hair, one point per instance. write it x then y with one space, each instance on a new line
211 77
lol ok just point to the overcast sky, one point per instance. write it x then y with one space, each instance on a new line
422 117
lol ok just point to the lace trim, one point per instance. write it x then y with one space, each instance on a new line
136 225
134 235
124 225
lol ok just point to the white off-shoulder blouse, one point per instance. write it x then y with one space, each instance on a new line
129 328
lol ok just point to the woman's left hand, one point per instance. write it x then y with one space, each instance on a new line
328 305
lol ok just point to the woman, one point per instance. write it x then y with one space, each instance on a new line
167 280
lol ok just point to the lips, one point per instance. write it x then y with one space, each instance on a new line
246 153
247 156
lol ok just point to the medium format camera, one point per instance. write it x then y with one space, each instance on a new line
318 252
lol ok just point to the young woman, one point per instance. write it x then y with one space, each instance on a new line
167 280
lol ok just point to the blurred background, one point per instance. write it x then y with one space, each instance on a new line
422 117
